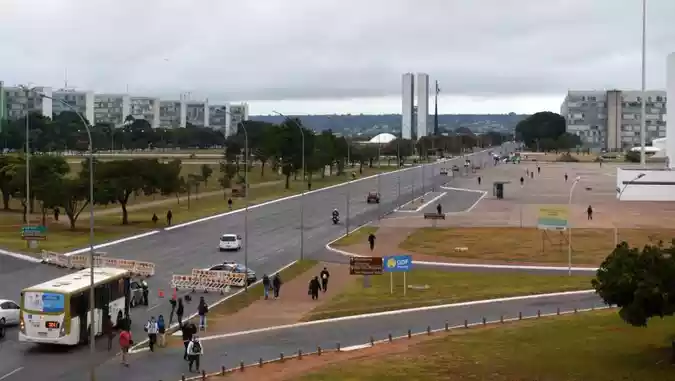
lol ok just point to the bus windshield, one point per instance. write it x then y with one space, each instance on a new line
43 302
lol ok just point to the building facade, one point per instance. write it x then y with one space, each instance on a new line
408 98
422 105
611 119
19 102
146 108
111 109
80 101
238 113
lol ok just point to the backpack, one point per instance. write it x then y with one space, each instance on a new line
196 347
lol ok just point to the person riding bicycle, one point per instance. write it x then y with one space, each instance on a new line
336 214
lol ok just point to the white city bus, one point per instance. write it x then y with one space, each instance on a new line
57 311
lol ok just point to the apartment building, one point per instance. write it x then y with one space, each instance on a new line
18 102
611 119
170 114
111 108
219 117
71 100
238 113
146 108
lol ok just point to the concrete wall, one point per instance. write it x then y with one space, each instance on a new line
655 185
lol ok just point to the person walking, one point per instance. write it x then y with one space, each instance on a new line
108 330
195 351
169 217
151 328
229 203
276 285
324 279
522 181
589 212
538 169
154 218
172 302
146 292
188 331
439 209
267 284
202 310
314 287
371 241
479 180
565 177
161 331
125 343
179 312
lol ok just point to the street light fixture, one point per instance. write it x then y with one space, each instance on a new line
302 195
92 331
643 104
569 228
625 185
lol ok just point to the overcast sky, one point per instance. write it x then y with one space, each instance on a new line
337 56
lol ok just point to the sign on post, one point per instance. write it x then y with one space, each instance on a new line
397 264
365 266
34 233
552 217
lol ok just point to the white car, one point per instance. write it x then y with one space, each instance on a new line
9 312
229 242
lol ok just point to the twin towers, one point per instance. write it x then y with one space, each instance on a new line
411 115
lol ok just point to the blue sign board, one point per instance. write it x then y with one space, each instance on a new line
397 263
52 302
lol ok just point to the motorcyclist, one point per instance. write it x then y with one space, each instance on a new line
336 214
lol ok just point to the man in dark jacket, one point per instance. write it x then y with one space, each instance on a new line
266 286
371 241
202 310
324 279
276 285
314 287
188 331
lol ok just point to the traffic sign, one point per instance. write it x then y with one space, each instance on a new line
365 266
33 233
397 263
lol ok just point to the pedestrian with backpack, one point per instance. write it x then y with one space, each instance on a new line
195 351
152 329
202 310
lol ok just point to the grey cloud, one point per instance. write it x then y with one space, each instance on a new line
275 49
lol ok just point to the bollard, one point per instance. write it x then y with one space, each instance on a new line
222 370
260 363
428 330
501 319
390 338
338 347
520 316
447 326
318 351
484 320
409 334
281 357
241 365
372 341
538 313
299 354
557 312
466 323
203 374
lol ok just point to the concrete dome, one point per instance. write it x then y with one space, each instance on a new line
383 138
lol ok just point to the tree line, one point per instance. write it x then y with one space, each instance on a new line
546 131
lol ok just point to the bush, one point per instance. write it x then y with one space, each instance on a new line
567 158
632 157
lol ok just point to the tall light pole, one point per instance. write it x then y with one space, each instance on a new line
28 211
92 326
616 231
302 195
643 104
569 228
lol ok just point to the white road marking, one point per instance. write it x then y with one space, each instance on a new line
11 373
96 247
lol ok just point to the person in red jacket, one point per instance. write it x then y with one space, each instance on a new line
125 343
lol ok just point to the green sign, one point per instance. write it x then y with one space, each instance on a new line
33 232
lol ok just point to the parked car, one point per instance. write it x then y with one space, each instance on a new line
9 314
373 197
230 242
235 268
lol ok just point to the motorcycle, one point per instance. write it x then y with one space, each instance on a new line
336 220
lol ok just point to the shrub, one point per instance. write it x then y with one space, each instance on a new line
632 157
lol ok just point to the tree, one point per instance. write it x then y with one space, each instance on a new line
70 193
206 172
640 282
539 126
9 168
46 172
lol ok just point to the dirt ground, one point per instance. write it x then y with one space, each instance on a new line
293 304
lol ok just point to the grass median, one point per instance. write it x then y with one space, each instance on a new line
357 236
527 245
108 225
596 346
434 287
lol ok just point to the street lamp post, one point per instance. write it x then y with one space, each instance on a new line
28 211
616 231
92 331
302 195
643 101
569 228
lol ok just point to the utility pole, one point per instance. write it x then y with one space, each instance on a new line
438 90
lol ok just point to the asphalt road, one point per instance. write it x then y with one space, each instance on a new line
273 241
169 365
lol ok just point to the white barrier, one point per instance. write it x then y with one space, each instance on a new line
208 281
81 261
231 278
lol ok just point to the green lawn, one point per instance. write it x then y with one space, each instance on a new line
108 226
358 236
444 287
596 346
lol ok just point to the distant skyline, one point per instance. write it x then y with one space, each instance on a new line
520 55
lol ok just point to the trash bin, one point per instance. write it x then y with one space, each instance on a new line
498 190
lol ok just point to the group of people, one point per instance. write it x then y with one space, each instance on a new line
318 283
273 285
